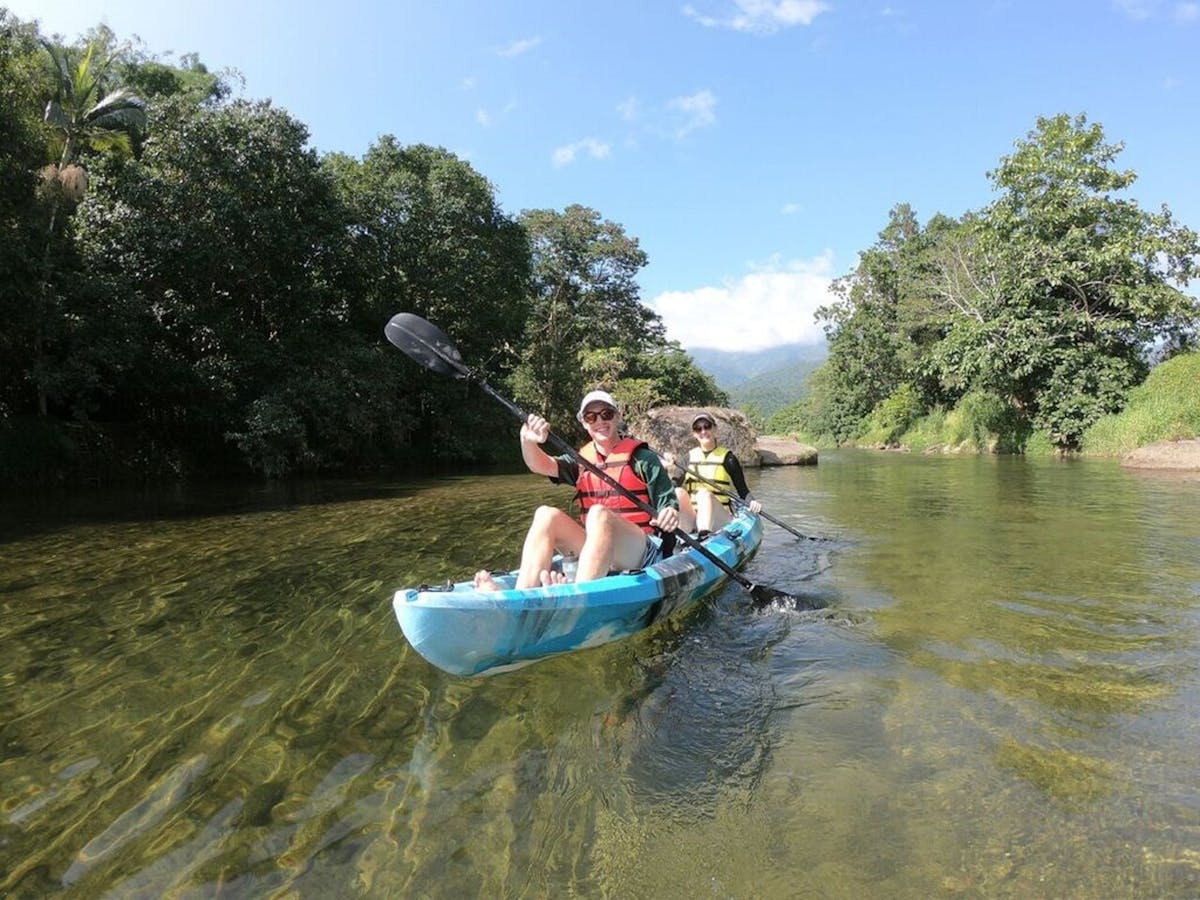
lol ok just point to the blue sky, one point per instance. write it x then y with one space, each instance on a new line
753 147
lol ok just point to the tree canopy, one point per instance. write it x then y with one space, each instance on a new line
587 326
1047 301
212 297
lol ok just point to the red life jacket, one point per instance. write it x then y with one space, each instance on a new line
592 490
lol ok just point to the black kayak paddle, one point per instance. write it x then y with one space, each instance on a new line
428 345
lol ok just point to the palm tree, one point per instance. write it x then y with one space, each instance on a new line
85 112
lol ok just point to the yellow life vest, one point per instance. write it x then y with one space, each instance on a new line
711 465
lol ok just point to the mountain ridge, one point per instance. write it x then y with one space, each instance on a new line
767 380
729 368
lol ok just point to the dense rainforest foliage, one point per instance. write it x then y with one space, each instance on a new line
1029 319
189 288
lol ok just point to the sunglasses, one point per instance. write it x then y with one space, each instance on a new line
702 426
606 414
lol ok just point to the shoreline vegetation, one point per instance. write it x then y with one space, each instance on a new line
1054 321
143 343
1165 408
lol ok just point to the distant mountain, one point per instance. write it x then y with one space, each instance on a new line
768 379
772 391
729 368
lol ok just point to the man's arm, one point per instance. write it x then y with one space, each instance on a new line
534 432
658 483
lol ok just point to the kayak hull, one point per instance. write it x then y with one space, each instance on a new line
466 631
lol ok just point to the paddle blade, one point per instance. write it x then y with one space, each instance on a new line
425 344
769 596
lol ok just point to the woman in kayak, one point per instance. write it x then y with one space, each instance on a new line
712 477
613 533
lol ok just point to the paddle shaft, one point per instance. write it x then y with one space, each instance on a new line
558 443
720 489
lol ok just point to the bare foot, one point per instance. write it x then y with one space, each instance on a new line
485 582
550 577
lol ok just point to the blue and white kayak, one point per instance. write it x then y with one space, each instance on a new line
466 631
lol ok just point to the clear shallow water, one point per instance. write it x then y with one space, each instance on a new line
208 695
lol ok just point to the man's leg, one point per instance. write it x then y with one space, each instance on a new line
612 543
550 529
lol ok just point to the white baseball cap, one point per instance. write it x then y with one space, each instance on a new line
595 397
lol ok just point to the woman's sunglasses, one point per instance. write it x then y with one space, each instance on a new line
606 414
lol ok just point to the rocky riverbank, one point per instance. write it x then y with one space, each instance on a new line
1183 454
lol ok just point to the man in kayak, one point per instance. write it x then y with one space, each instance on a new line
615 533
705 502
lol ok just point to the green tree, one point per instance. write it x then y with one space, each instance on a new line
154 79
216 267
678 379
1049 299
23 152
864 330
641 380
585 297
430 238
1071 282
87 114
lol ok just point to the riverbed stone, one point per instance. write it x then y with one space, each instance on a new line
774 450
1183 454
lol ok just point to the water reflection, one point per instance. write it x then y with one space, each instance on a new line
1000 699
1045 614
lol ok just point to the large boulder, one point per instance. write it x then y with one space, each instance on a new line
669 429
1165 455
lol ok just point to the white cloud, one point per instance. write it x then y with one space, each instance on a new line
1136 9
772 305
516 48
698 111
762 16
672 119
488 118
1184 11
790 209
630 110
594 148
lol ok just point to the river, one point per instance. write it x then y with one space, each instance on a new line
203 692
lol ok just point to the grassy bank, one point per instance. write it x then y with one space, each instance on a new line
1165 407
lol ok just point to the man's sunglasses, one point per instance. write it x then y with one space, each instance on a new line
606 414
702 426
